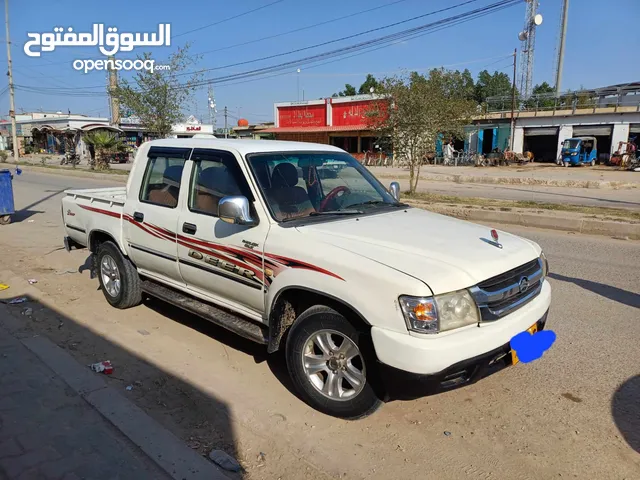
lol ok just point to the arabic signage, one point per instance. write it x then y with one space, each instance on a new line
108 40
193 128
302 116
350 113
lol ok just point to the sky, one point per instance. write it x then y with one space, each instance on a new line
601 46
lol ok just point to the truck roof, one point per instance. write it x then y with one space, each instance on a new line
244 146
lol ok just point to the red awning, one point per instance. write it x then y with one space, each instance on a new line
346 128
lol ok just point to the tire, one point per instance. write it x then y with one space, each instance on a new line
129 293
358 401
566 164
5 220
593 163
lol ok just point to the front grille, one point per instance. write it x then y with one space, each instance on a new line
502 294
512 276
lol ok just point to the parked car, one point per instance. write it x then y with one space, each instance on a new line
369 298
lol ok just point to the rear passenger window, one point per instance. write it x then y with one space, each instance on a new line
216 175
161 184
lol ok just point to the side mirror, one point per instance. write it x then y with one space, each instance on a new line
394 188
235 210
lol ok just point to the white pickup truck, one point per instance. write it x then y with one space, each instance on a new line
299 247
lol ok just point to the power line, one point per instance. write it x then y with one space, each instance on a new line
380 42
360 48
335 40
228 19
332 20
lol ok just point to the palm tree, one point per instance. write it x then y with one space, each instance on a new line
104 143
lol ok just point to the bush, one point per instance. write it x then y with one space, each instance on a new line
3 155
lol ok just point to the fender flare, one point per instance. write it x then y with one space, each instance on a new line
277 329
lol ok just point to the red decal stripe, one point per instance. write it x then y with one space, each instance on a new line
227 251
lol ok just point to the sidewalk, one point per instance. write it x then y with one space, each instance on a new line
58 420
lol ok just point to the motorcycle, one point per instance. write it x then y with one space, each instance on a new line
70 159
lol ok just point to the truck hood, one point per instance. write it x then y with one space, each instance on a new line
445 253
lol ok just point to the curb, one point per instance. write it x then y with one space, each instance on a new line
567 223
70 172
543 182
160 445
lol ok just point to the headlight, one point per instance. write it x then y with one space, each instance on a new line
545 264
439 313
573 154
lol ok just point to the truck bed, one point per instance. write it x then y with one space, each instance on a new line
116 195
93 209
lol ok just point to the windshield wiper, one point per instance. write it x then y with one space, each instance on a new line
337 212
379 202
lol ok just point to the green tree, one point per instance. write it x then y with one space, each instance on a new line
349 90
369 82
415 109
541 96
492 85
159 98
104 144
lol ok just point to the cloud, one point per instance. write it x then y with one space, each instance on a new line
530 347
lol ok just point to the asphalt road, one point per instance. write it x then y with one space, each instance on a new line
574 413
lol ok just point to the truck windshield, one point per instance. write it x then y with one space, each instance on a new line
298 184
571 143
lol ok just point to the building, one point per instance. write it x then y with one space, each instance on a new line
43 132
135 134
610 114
337 121
245 130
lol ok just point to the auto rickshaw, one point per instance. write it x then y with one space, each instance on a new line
579 151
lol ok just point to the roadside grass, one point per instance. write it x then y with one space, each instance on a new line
508 205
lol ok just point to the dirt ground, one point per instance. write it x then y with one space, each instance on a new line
550 419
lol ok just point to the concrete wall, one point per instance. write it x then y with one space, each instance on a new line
620 134
518 140
564 132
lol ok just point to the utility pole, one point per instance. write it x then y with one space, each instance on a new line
12 102
225 123
513 101
563 33
298 83
114 104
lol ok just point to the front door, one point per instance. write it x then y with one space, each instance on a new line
151 217
217 259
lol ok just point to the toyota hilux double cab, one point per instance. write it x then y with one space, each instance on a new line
299 247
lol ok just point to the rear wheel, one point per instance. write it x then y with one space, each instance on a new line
5 220
593 163
329 364
118 277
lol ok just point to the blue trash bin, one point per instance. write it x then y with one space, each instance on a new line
6 197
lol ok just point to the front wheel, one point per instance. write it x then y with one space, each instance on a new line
593 163
119 279
331 364
566 164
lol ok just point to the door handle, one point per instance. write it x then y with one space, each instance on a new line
189 228
138 217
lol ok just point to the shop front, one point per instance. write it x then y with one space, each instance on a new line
333 121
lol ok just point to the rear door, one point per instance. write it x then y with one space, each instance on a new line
151 217
217 259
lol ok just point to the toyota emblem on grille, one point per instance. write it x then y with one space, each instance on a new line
524 284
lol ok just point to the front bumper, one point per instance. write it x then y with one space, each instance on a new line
431 354
402 385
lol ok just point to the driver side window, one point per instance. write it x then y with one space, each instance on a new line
215 175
